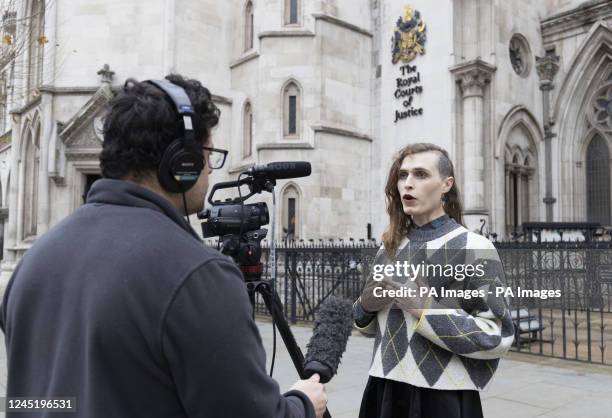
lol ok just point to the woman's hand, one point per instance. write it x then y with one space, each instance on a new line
410 304
372 303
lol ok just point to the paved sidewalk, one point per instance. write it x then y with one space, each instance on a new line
525 385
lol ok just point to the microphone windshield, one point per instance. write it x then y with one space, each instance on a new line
332 329
283 169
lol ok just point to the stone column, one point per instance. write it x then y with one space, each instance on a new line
473 78
519 199
547 67
10 236
43 176
529 171
508 195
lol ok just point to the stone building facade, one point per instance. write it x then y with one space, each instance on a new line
518 91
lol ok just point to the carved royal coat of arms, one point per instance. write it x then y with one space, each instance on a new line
409 37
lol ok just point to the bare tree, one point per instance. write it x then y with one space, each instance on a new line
23 56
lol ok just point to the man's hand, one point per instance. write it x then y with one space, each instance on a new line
371 303
315 392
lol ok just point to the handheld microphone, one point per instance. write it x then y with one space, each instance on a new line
282 169
331 331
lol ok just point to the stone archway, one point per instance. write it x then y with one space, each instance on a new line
590 71
518 177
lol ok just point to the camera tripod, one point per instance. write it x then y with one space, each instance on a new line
255 284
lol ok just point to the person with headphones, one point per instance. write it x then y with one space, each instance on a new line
120 308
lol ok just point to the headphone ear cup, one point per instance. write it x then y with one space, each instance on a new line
179 169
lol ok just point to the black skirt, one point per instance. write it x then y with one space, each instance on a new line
385 398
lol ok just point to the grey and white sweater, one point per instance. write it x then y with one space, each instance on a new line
446 348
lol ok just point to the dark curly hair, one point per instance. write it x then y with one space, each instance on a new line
141 122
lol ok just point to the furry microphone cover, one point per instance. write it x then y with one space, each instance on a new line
332 328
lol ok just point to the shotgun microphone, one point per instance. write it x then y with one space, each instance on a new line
281 170
330 335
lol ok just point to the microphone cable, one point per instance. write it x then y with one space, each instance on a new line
273 347
241 231
241 204
185 206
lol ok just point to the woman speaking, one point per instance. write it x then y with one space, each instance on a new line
431 357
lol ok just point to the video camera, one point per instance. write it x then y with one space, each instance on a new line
239 225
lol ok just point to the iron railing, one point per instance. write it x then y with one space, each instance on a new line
577 325
307 273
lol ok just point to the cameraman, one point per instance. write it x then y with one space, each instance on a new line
121 306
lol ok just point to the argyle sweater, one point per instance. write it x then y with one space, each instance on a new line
448 347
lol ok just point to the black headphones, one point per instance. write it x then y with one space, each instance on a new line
183 160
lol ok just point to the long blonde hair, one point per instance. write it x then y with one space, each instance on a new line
399 222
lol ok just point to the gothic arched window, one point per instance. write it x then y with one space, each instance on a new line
248 26
526 189
247 142
291 110
292 12
598 181
290 219
519 187
36 43
32 163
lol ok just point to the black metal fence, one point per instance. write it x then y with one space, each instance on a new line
577 325
308 273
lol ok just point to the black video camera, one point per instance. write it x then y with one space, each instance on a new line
238 225
225 219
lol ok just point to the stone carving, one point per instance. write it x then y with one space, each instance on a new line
86 138
600 111
85 118
473 76
106 73
519 55
547 66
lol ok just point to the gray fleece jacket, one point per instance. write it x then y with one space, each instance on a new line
121 307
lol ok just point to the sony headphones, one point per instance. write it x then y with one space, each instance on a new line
183 160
